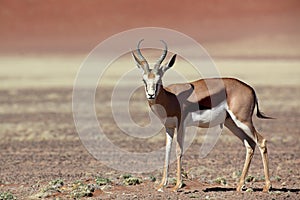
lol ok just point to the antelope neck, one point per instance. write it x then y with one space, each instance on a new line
161 97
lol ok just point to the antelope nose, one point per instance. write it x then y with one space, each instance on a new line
151 96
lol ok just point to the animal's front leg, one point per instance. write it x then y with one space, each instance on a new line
169 139
179 151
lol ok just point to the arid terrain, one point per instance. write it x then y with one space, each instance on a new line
39 142
42 46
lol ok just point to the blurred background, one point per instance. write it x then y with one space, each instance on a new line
232 28
43 43
46 41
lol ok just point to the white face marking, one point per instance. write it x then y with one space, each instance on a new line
152 85
208 118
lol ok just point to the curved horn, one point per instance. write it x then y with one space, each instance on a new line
142 58
163 56
139 51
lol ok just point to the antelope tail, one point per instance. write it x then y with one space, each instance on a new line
260 114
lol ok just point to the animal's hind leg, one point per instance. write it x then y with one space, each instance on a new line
249 144
264 154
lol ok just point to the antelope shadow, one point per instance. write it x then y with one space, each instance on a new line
226 189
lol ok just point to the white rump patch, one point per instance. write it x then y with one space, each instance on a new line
241 125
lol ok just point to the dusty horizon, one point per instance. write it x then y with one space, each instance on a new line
252 28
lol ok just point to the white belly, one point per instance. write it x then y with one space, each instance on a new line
207 118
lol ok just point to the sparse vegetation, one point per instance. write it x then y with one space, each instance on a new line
194 196
277 178
250 178
172 181
152 178
79 190
38 126
220 180
51 189
75 190
7 196
125 176
132 181
102 181
56 184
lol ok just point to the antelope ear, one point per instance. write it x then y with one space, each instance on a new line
170 63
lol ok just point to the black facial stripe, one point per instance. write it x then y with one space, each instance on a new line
145 85
156 88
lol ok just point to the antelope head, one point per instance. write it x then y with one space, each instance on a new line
152 77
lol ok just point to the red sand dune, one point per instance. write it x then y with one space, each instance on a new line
76 26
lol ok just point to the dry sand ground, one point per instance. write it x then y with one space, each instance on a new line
39 142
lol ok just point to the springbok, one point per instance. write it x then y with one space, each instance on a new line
190 104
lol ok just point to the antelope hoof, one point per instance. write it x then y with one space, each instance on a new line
160 187
177 187
267 187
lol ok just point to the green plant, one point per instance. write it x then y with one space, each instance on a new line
152 178
58 183
250 178
80 190
125 176
50 190
132 181
7 196
102 181
277 178
53 186
220 180
172 181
